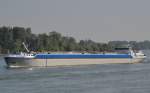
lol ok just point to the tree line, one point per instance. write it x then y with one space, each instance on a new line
11 39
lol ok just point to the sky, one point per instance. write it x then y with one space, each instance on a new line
98 20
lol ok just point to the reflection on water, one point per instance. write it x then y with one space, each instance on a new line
108 78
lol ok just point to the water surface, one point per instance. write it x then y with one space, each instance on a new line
108 78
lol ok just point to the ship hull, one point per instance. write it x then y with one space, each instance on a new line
33 62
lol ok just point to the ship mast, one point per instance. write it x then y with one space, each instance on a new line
25 47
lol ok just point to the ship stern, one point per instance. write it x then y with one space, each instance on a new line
15 62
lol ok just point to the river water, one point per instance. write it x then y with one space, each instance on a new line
108 78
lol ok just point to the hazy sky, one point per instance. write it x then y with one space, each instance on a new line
99 20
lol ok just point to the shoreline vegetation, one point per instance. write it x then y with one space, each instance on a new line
11 39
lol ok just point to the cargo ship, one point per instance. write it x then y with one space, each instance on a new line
70 59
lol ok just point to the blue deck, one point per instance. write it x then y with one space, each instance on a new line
80 56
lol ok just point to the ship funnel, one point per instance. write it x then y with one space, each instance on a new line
25 47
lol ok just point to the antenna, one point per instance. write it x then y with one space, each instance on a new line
25 47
